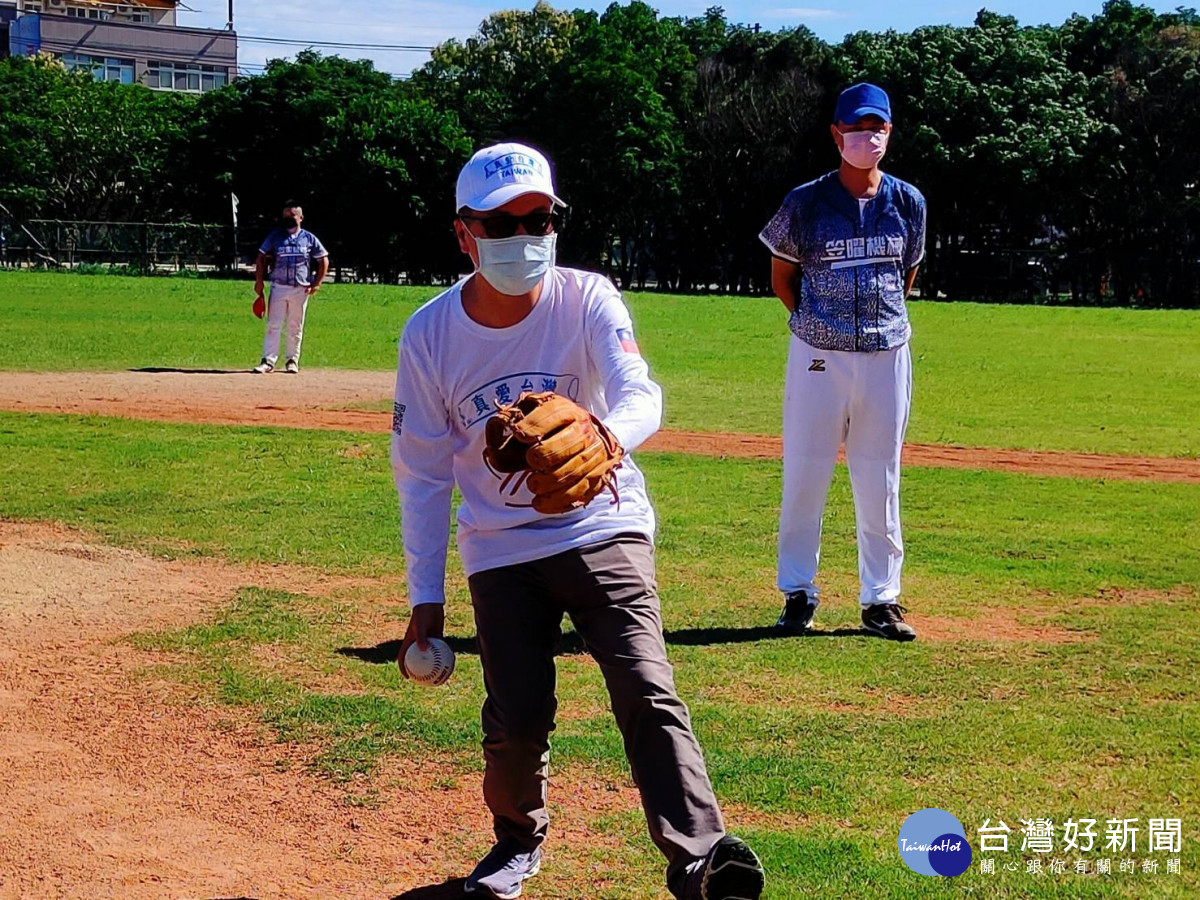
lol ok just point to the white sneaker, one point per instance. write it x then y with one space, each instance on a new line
263 367
292 367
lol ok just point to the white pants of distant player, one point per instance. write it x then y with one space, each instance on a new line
288 303
833 397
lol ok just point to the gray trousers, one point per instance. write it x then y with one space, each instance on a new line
608 590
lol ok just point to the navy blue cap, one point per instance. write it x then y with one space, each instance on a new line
862 100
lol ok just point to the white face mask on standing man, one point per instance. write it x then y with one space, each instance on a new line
864 149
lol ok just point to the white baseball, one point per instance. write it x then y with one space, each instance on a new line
431 666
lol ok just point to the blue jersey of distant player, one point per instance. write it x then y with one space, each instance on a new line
294 254
853 261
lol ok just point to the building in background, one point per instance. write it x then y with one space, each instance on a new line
130 42
8 12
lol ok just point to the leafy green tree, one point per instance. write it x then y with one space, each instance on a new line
367 156
599 93
759 128
612 124
388 164
1069 147
75 148
257 137
990 123
496 80
1134 233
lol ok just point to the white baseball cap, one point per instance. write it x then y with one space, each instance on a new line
497 174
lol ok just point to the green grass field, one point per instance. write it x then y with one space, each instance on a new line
819 747
800 734
1103 381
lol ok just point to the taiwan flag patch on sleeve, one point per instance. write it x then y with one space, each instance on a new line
628 344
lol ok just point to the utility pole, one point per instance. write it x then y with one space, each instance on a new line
229 26
236 258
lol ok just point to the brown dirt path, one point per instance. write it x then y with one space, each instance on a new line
116 786
119 783
319 398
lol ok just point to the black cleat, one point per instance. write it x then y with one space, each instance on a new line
732 872
798 612
885 620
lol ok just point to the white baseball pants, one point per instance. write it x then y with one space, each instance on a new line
288 303
833 397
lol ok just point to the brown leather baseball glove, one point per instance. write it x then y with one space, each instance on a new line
564 454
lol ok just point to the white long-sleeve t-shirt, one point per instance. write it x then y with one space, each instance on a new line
577 341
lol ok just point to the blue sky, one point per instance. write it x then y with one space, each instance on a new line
426 22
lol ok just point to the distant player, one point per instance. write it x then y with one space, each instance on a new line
520 323
298 263
846 249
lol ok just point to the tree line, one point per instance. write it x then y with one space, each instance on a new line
1058 161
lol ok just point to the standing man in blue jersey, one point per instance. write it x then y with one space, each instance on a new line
300 262
846 249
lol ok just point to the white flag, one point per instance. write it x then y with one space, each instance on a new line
234 198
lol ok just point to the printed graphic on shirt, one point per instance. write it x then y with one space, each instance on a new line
628 344
851 295
292 254
480 403
398 418
864 251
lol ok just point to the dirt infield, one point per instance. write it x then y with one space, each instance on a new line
118 785
120 782
326 399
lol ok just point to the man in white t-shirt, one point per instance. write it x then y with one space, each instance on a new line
520 323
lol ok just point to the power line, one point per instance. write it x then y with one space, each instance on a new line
324 23
255 69
344 44
66 44
173 55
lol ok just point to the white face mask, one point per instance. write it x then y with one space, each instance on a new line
864 149
515 265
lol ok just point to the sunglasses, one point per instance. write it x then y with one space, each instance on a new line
537 224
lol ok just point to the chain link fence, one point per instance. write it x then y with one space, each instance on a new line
141 246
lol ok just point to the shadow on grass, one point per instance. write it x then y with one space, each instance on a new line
179 371
386 652
451 888
704 637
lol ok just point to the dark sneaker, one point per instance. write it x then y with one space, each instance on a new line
732 872
798 612
502 872
885 620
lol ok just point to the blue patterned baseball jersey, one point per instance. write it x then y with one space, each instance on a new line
853 261
293 255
